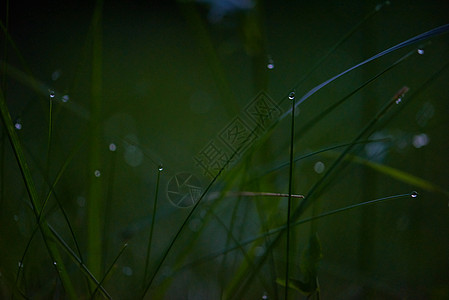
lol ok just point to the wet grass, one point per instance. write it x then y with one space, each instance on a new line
86 229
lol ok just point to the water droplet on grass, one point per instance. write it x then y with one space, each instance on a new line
97 173
20 264
18 124
270 63
55 263
414 194
51 93
112 147
420 51
160 168
265 296
291 96
399 100
65 98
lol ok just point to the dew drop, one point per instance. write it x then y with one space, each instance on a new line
265 296
65 98
420 51
18 124
55 263
291 96
112 147
399 100
52 93
20 264
414 194
160 168
97 173
270 63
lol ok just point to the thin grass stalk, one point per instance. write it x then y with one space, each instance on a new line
229 235
343 39
106 274
72 254
297 223
22 259
290 186
421 37
183 225
109 203
304 204
181 228
40 219
32 193
153 218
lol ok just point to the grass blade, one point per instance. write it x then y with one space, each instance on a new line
99 285
413 40
153 217
300 222
32 193
72 254
290 186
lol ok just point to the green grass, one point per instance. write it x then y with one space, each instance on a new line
82 220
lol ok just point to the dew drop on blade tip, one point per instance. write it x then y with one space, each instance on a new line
270 63
160 168
18 124
414 194
291 96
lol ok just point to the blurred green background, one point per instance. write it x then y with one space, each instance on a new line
172 76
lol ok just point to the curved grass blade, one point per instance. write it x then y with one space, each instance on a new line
343 39
423 36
